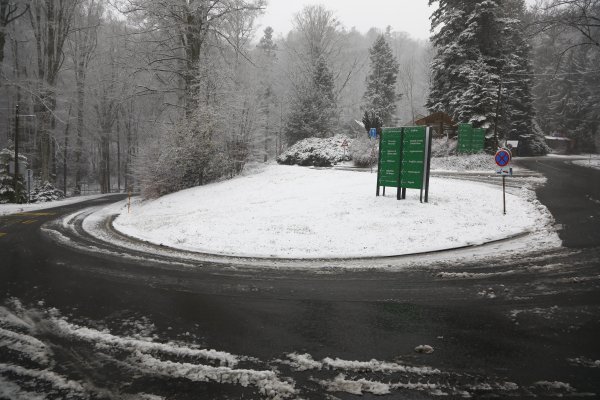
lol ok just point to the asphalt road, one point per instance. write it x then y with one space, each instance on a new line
78 320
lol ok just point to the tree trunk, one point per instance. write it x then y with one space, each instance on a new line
66 152
104 168
79 144
118 157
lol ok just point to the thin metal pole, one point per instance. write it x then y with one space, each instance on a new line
16 178
504 193
379 165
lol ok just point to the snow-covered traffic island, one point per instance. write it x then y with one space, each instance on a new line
298 212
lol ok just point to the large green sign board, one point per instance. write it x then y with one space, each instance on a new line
413 157
470 140
389 157
403 159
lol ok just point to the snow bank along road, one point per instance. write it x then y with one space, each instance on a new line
297 212
110 323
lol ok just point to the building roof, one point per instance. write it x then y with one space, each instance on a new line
436 118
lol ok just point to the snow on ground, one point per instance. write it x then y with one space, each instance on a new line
470 162
590 163
6 209
296 212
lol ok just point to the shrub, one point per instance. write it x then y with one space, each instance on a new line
317 152
364 151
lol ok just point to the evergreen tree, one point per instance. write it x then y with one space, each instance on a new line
314 107
518 121
466 67
267 58
567 89
573 107
370 120
481 72
380 96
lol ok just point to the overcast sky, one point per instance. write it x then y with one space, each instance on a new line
410 16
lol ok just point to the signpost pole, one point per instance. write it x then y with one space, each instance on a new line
428 168
379 164
502 159
399 191
504 193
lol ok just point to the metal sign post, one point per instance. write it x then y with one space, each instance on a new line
502 159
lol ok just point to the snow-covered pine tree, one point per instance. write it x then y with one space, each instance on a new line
466 66
267 57
573 104
518 121
380 96
313 106
7 192
480 44
371 119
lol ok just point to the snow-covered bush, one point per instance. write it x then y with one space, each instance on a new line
464 162
533 144
187 157
46 192
317 151
443 147
364 152
7 189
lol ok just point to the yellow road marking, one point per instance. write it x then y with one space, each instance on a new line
29 221
34 214
3 234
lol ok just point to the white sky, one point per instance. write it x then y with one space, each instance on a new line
410 16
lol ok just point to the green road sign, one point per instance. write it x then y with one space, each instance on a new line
414 144
389 157
470 140
478 141
465 138
404 155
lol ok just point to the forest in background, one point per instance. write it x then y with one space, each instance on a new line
169 94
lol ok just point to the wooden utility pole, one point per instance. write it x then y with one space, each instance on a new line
16 178
498 104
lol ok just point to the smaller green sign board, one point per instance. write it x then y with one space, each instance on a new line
470 140
478 141
413 157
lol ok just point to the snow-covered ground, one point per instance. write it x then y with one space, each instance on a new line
590 163
297 212
6 209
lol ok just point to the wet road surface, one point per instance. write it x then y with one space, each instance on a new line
99 324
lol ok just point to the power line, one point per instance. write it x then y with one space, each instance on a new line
597 71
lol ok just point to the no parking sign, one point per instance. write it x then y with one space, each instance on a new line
502 157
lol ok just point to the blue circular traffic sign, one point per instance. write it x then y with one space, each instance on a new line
502 157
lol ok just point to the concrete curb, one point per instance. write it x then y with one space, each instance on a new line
113 231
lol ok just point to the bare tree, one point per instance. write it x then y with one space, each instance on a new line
51 21
582 16
9 12
174 32
82 43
